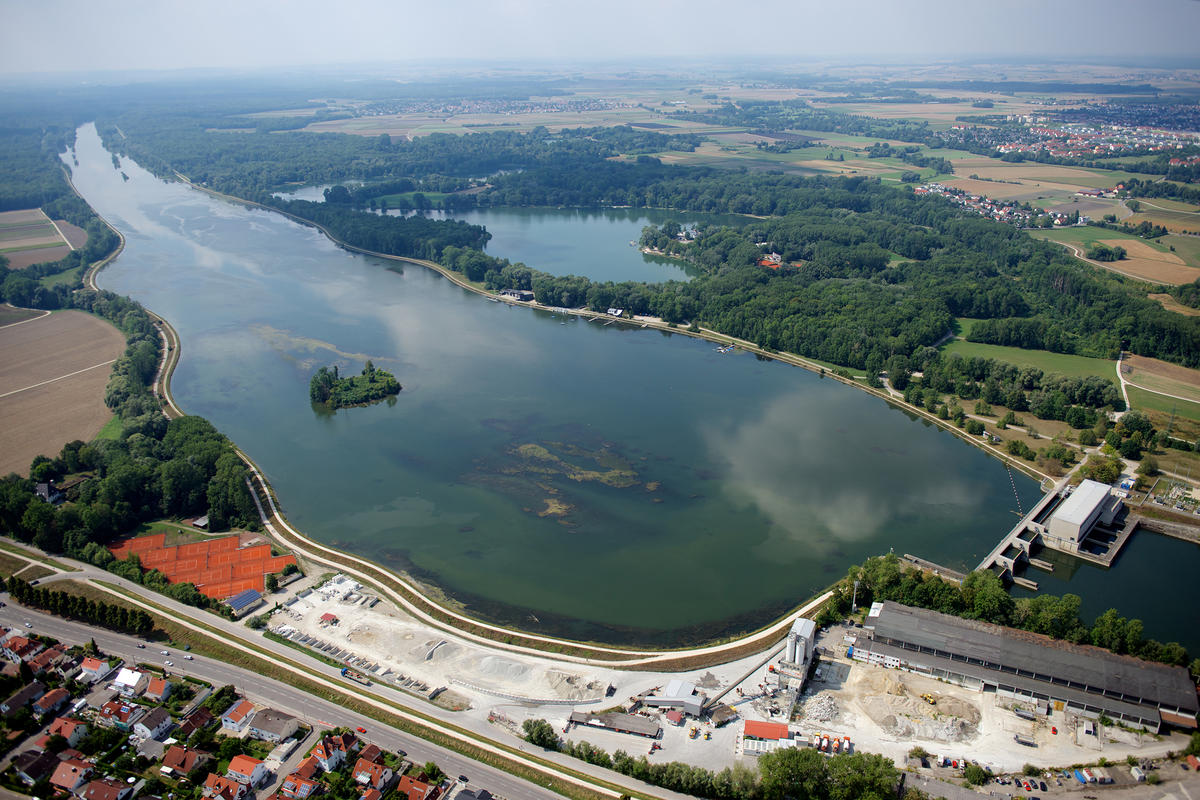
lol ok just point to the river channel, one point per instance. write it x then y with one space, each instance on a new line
593 481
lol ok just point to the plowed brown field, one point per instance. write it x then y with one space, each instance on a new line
53 371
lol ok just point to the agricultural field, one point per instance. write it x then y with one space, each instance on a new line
1058 363
938 114
28 237
12 314
1148 260
1173 215
1164 406
1162 377
53 371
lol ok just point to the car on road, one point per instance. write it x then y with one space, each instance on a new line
141 646
169 663
187 656
164 652
361 729
463 779
28 624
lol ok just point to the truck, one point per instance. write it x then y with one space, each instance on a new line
358 677
1025 740
1025 713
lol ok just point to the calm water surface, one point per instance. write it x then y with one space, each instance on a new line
618 484
594 243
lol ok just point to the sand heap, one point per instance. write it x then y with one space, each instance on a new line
900 714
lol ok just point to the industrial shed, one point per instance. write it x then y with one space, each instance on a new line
1086 680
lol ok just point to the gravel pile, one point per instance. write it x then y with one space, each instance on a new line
821 708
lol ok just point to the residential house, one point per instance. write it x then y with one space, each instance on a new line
247 770
198 719
93 669
70 729
372 752
474 794
332 750
183 759
45 660
51 701
273 726
18 648
70 775
106 789
303 782
370 793
49 493
22 697
238 716
154 725
33 766
219 787
411 788
131 682
373 774
158 690
121 715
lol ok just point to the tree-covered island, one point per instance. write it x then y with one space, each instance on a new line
373 385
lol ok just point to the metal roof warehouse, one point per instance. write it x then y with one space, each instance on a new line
1083 678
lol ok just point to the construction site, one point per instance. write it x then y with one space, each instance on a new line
809 690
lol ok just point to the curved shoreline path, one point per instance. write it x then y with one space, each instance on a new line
433 612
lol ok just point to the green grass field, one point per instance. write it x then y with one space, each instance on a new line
1140 398
1058 363
1186 247
1168 204
66 277
111 430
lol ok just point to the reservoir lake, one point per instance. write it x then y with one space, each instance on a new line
598 482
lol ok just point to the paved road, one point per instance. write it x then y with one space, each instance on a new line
315 711
239 632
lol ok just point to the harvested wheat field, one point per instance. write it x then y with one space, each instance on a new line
1171 304
1153 265
53 370
1162 376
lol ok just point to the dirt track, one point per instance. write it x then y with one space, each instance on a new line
53 371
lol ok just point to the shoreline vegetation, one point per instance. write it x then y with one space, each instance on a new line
747 642
327 388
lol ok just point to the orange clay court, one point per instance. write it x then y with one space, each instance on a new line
219 568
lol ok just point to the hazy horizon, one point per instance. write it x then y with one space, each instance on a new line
124 36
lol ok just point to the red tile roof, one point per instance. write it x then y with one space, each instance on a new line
765 730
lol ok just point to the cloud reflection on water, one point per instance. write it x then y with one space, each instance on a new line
820 487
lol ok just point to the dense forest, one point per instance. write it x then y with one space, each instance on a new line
869 271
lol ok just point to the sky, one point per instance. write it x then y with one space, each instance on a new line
105 35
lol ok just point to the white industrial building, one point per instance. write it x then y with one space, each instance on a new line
678 694
1092 502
